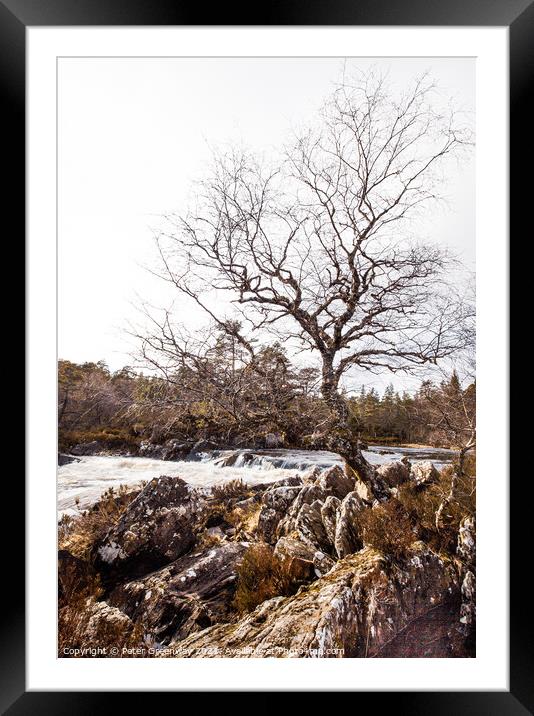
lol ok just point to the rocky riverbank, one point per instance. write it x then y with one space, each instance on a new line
310 566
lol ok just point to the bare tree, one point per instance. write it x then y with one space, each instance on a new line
319 249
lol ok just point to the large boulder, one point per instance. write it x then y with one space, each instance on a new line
156 528
151 450
353 611
347 535
190 594
393 474
424 473
363 491
202 446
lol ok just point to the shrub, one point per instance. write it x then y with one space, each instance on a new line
387 528
422 505
111 438
260 576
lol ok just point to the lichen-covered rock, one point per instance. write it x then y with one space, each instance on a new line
185 596
363 491
322 563
106 623
424 473
309 526
466 551
347 537
298 556
329 515
336 482
275 504
305 561
466 548
468 606
305 496
393 474
156 528
351 612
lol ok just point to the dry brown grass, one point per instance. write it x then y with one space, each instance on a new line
230 490
244 520
262 576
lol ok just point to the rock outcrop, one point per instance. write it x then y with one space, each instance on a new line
466 550
347 537
185 596
394 474
156 528
309 526
335 482
329 515
353 611
275 504
172 449
166 571
63 459
106 622
92 448
424 473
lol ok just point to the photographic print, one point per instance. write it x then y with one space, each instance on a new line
266 357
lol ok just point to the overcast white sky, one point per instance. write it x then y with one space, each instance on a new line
133 133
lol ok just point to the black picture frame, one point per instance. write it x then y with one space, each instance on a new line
518 15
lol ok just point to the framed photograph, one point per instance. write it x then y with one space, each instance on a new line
267 356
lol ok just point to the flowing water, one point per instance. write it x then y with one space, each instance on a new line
81 483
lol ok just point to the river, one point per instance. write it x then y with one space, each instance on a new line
85 480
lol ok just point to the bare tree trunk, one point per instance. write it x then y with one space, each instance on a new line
341 439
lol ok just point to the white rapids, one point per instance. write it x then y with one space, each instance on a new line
81 483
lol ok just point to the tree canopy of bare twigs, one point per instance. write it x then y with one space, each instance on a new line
318 246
